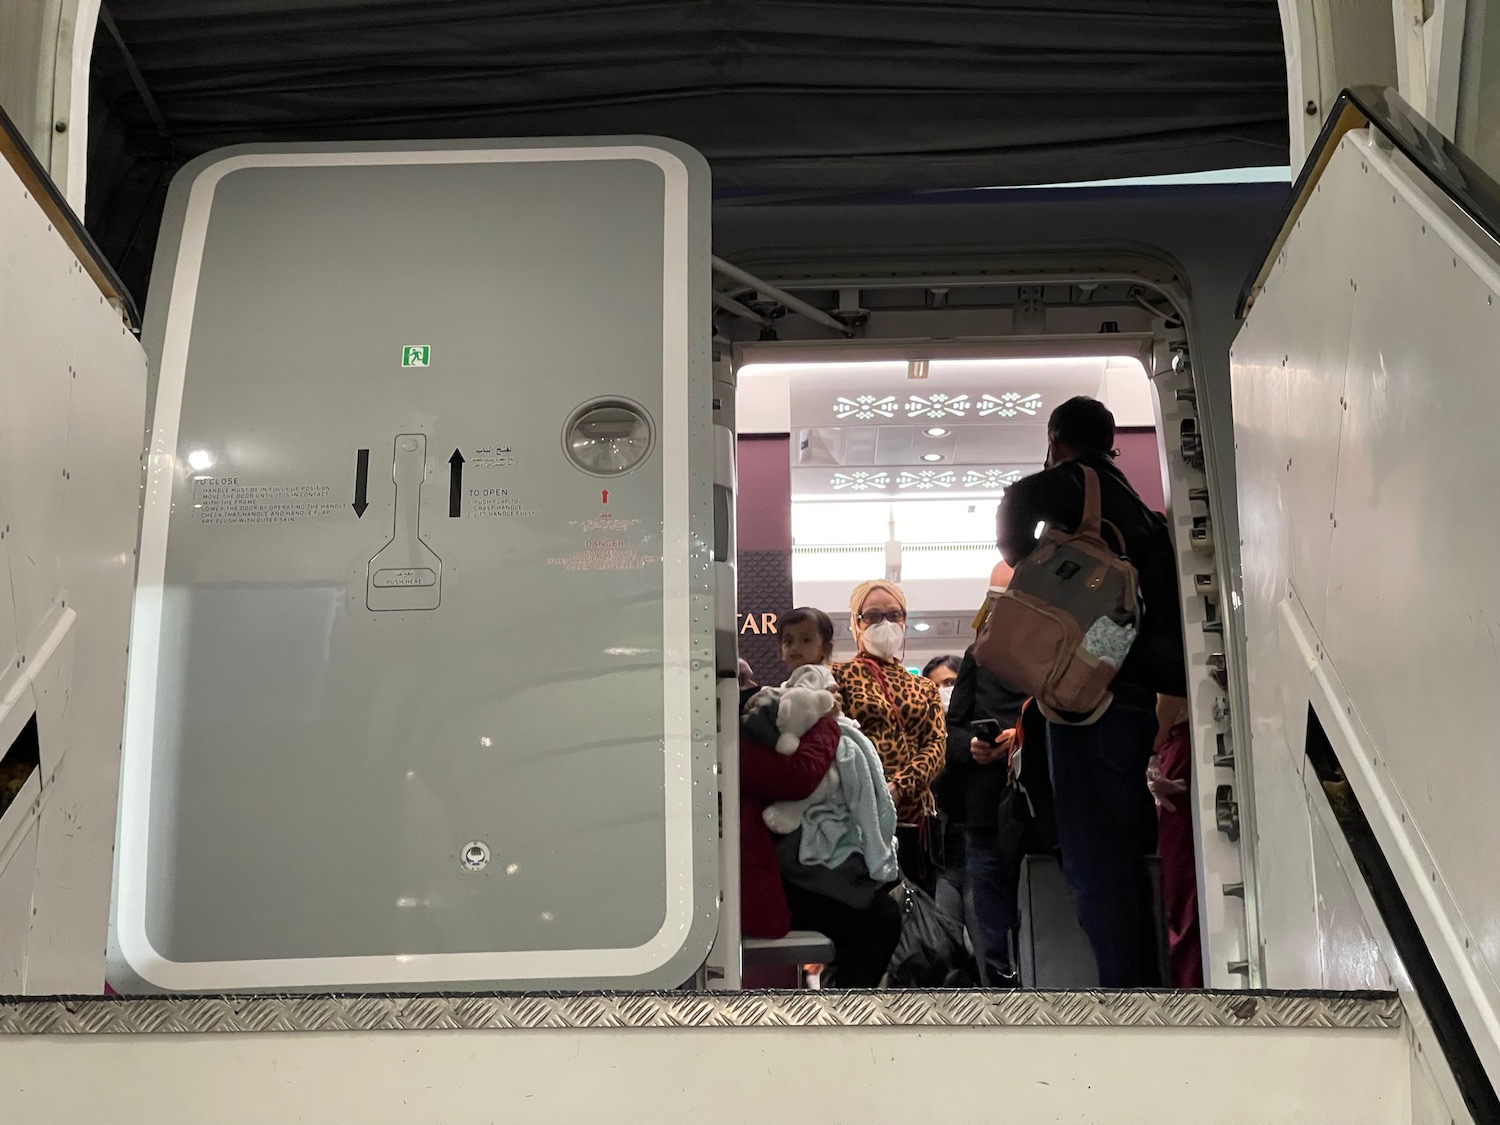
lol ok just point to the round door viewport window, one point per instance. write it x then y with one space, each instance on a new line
608 437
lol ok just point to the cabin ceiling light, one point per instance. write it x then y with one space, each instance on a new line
932 456
936 431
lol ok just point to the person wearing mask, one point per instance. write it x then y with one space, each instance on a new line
952 886
943 671
1105 815
901 714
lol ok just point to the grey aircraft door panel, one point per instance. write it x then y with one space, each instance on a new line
421 680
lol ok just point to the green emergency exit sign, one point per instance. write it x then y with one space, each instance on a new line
416 355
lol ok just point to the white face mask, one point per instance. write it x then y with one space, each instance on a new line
946 695
884 641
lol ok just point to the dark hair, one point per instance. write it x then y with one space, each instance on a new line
949 662
807 615
1084 425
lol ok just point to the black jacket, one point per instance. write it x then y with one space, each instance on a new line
1055 497
966 791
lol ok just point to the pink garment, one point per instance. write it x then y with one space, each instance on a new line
1179 873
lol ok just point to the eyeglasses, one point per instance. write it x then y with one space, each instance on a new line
879 616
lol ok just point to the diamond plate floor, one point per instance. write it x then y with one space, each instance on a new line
370 1012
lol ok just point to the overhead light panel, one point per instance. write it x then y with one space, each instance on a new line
936 431
932 456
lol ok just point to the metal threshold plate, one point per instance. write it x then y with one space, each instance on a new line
1373 1011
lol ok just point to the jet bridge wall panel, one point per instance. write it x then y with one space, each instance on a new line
1371 598
415 698
1413 628
72 422
1288 385
685 1076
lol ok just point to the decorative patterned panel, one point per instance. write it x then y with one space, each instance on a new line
765 586
924 480
1011 404
863 408
991 478
938 406
871 482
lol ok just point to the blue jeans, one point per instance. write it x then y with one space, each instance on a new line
992 897
1106 823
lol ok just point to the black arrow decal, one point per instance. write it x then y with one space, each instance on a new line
455 483
361 483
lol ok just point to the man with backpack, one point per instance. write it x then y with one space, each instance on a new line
1100 546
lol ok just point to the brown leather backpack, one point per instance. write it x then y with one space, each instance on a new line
1065 624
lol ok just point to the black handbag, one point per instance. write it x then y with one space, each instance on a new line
849 882
931 952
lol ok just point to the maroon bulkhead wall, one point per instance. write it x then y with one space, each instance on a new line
763 511
1140 461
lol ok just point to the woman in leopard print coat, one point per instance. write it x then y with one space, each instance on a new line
900 713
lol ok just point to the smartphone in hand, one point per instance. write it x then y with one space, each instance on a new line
986 730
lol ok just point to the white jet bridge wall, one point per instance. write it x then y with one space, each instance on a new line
1366 403
875 1058
72 424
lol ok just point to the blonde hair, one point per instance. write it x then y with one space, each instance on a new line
862 594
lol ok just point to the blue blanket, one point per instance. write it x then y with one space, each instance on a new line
858 817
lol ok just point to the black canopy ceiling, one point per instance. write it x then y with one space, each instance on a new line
836 97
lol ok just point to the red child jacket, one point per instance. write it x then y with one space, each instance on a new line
765 778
